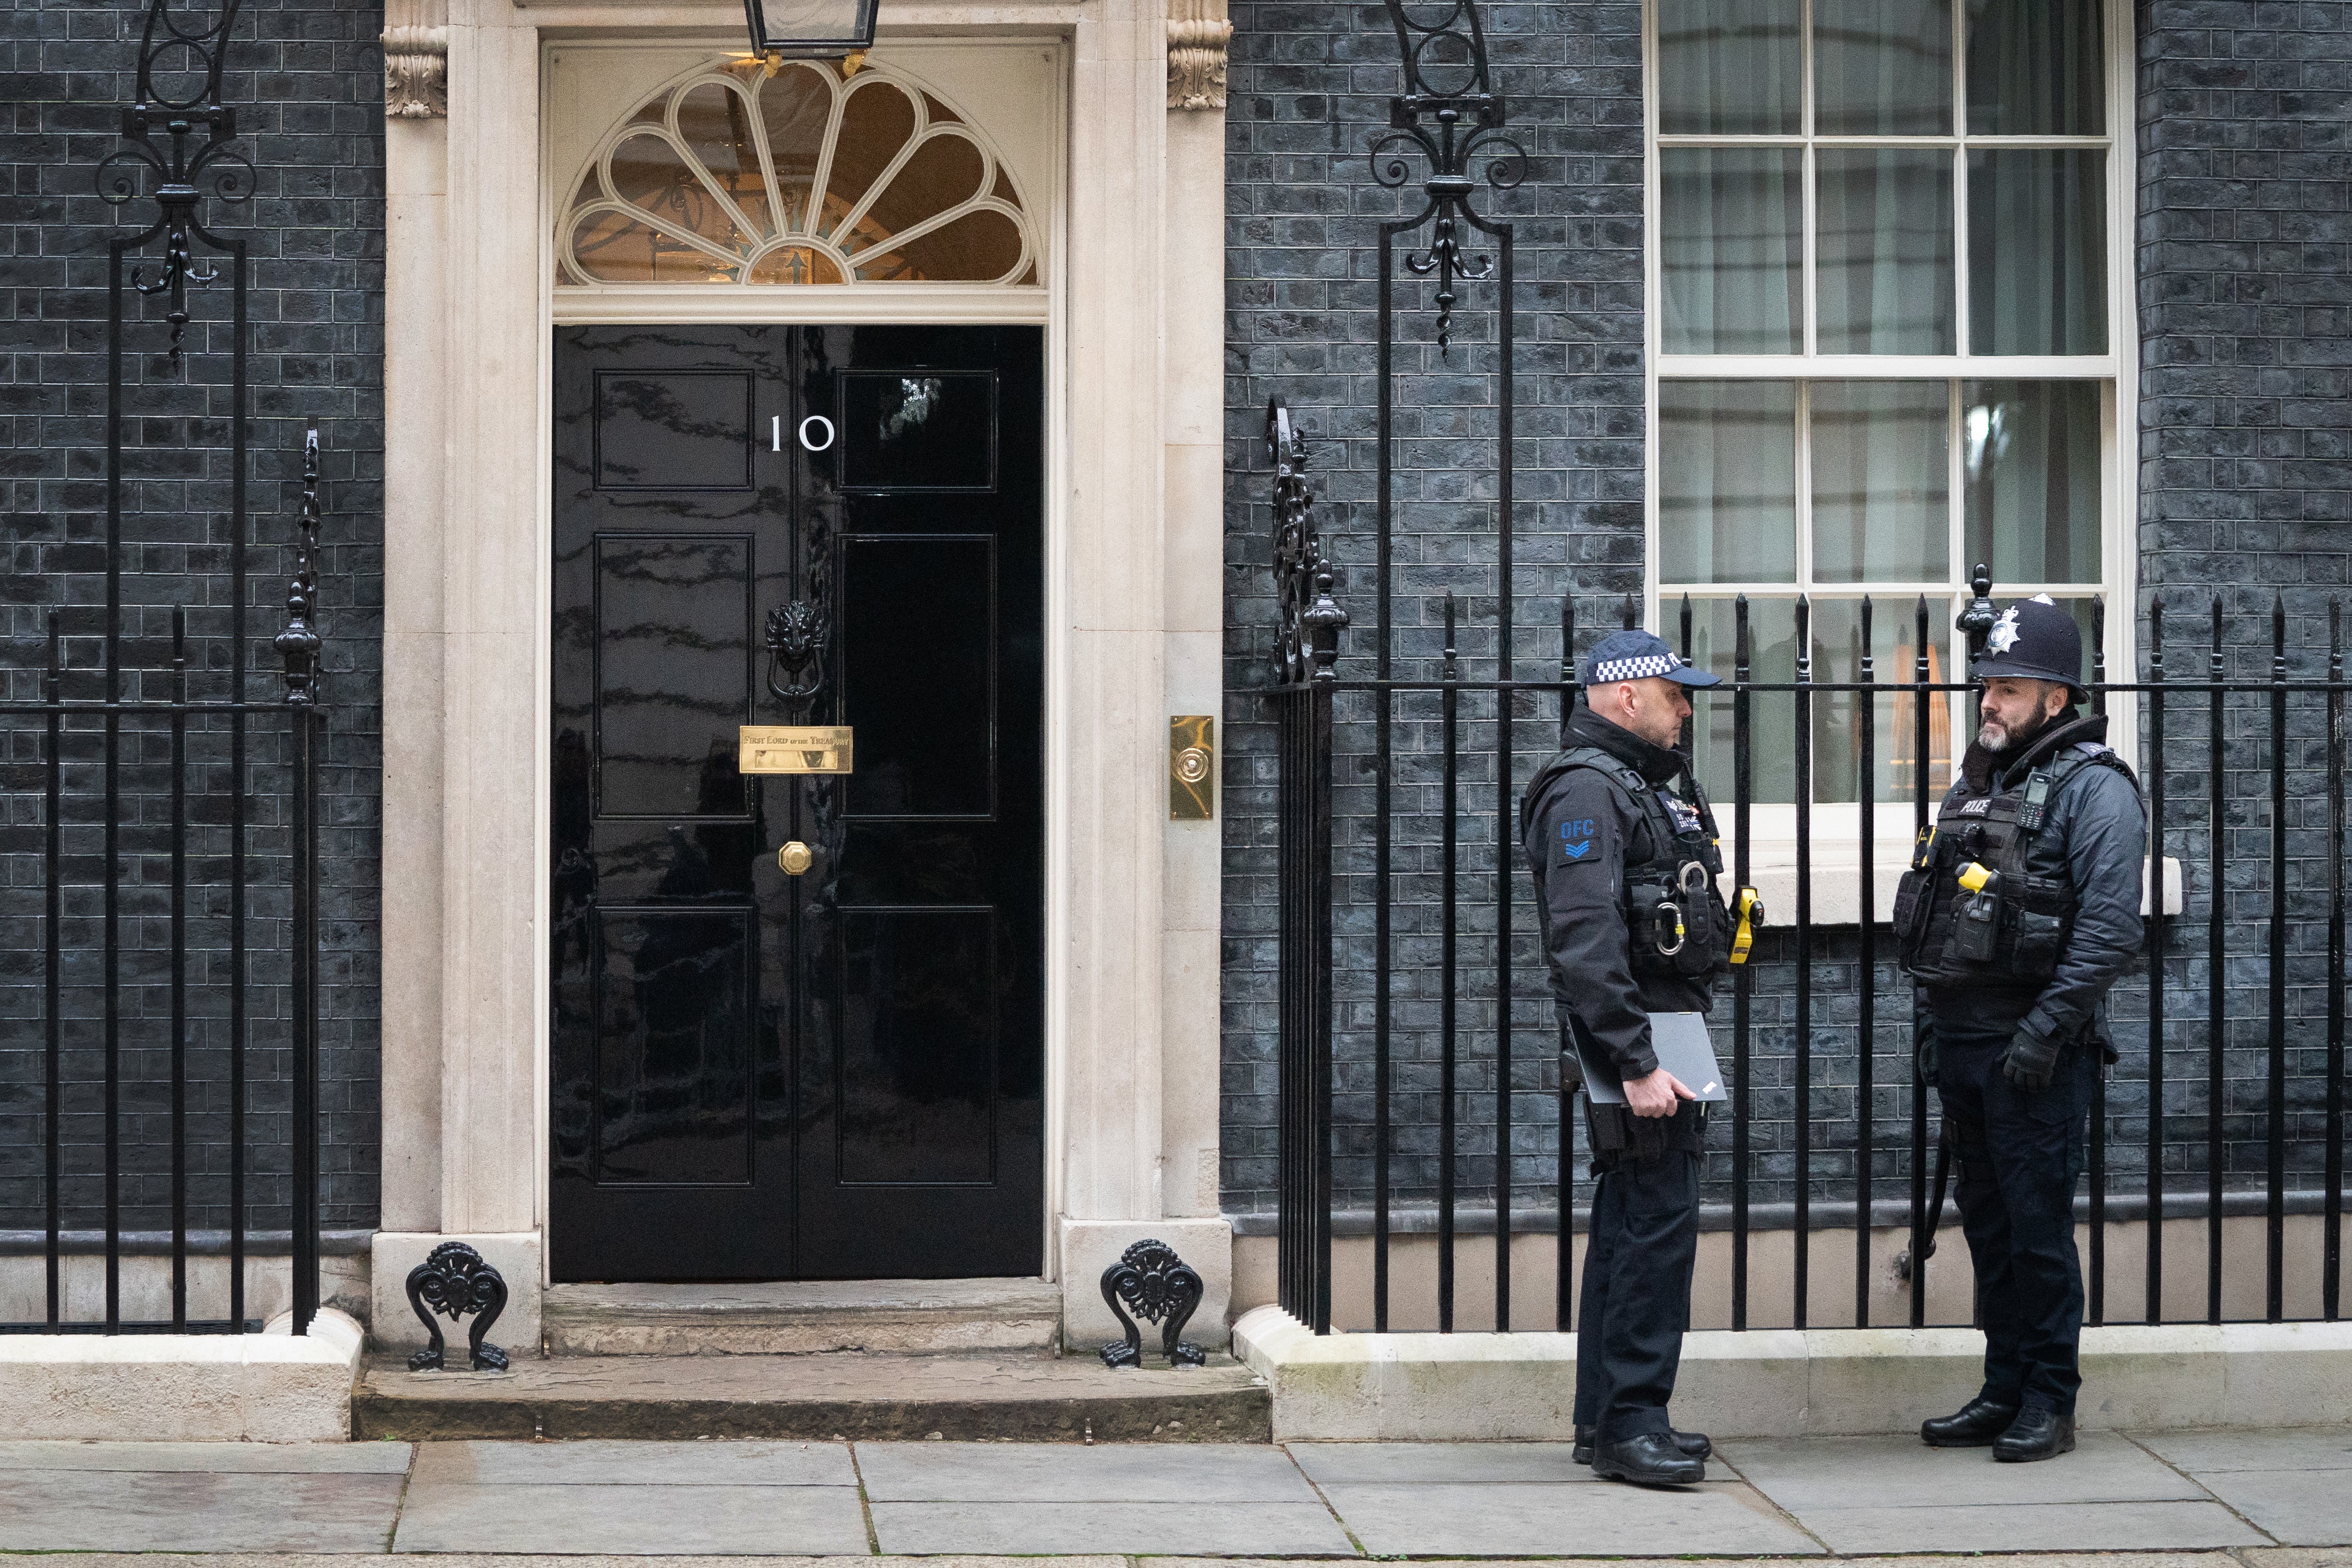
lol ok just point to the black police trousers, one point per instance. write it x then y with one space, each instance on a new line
2019 1153
1637 1289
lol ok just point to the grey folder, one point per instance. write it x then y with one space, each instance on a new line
1680 1043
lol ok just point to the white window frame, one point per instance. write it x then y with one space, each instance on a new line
1837 824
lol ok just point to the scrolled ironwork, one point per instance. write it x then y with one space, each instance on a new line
1160 1288
1449 114
455 1280
1307 636
179 167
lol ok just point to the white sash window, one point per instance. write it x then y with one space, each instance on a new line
1889 308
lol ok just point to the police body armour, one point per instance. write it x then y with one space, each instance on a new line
1676 920
1974 908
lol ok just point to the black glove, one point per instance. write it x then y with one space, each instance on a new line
1923 1048
2031 1061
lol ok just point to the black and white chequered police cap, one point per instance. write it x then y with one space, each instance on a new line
1638 656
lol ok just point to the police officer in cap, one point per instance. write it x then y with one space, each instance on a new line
2021 907
1626 866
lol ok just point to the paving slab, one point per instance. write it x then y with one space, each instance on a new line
1410 1464
1562 1519
645 1520
2303 1449
2251 1557
1207 1527
2031 1526
216 1459
2300 1508
593 1463
2248 1557
196 1510
1007 1473
545 1560
2297 1557
1896 1471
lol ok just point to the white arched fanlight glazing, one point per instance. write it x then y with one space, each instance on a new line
798 177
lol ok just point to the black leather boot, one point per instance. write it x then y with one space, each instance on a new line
1695 1444
1974 1425
2036 1434
1651 1459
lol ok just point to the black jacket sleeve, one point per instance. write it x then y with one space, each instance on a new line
1577 839
2104 829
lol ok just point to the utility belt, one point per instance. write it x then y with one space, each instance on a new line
1619 1135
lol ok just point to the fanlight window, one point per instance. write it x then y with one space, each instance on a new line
739 176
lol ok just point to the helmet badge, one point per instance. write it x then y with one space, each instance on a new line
2003 636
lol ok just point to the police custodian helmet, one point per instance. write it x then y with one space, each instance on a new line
2036 640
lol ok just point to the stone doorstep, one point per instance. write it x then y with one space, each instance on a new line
1784 1383
271 1388
816 1398
898 1317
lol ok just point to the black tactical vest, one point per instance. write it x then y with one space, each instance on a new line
1977 906
1675 917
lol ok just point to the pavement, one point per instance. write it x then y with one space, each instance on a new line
2173 1500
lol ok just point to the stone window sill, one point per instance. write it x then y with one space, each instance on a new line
1837 880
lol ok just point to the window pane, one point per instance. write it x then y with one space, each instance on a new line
1727 481
1727 66
1729 241
2037 252
1881 495
1772 654
1883 67
1883 251
1894 761
2035 68
2031 455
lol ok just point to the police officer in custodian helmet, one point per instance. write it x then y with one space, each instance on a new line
2022 907
1625 867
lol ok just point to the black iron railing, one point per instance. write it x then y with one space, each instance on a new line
2248 855
176 812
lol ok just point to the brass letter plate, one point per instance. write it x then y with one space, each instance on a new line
794 749
1191 768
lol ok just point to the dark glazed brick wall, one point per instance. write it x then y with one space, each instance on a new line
1310 95
2245 470
305 79
2245 295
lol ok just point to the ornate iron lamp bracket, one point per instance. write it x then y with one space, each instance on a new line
1307 636
1150 1278
1449 114
178 167
454 1281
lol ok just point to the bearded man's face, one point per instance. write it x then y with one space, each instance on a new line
2015 709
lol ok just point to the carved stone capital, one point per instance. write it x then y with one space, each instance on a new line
416 73
1198 34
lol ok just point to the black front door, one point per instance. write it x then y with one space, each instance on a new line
836 1074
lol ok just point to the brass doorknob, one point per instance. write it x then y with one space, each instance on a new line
794 858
